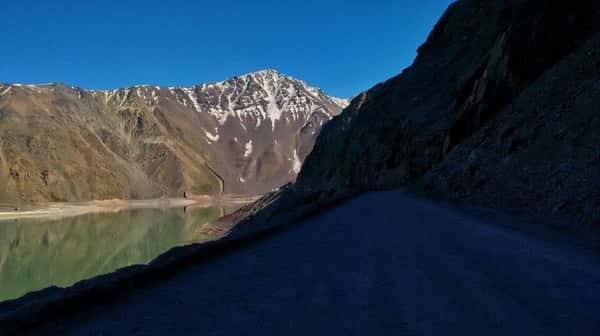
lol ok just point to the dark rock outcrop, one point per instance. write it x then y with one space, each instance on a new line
500 108
541 153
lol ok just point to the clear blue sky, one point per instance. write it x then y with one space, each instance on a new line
342 46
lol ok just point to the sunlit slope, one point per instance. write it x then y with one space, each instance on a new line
245 135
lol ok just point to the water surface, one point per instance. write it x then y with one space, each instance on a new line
37 253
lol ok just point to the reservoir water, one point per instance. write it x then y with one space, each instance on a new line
38 253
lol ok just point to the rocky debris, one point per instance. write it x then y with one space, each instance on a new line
280 208
540 154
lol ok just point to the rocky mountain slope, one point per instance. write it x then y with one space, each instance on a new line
501 108
245 135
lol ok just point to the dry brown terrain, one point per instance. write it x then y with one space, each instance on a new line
246 135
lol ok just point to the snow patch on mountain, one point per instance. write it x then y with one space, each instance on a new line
211 137
297 163
191 95
253 98
259 96
5 91
341 102
248 148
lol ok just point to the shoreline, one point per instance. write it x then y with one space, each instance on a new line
71 209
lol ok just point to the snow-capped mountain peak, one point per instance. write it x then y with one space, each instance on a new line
258 97
246 134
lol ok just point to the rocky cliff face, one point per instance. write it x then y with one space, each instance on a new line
541 152
500 108
246 135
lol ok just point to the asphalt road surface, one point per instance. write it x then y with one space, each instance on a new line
385 263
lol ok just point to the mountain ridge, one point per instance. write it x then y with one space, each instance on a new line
157 86
242 135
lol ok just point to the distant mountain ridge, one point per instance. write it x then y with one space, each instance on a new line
245 135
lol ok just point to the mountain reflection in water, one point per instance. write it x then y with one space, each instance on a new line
36 253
